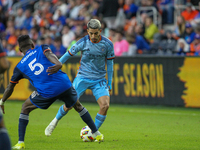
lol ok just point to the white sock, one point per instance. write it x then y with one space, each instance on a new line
20 142
54 121
96 133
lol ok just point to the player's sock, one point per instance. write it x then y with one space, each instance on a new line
61 113
87 119
23 122
99 119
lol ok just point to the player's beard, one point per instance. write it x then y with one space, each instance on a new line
94 40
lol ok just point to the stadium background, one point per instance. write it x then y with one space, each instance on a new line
159 68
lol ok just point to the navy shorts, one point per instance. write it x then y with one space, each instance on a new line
69 97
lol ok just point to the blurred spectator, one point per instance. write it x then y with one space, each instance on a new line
150 29
182 47
105 30
189 33
34 34
121 45
196 21
60 5
10 50
49 41
24 31
60 17
58 26
189 13
67 36
28 20
19 18
168 43
74 8
132 48
59 48
167 9
130 9
120 19
195 46
180 26
151 4
139 40
12 38
41 41
108 12
111 34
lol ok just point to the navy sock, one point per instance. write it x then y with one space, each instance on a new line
87 119
23 122
4 140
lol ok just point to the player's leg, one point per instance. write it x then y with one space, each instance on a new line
4 64
80 87
62 111
4 138
27 107
103 102
85 116
101 93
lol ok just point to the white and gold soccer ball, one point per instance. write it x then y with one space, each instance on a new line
86 134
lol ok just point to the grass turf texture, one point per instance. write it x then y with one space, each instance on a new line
126 127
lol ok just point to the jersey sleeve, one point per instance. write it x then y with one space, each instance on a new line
78 46
110 52
17 75
45 48
2 52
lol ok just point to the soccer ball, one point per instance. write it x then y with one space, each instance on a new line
86 134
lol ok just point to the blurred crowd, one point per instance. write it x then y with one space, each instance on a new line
60 23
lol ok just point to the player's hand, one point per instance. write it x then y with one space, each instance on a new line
109 90
54 69
2 107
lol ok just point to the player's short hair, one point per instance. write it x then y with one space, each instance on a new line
24 41
94 24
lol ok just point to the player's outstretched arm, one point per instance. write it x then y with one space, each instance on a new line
53 59
7 93
65 57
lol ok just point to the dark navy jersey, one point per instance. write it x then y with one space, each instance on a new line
33 67
2 53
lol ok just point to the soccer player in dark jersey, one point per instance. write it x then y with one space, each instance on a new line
97 51
4 138
33 67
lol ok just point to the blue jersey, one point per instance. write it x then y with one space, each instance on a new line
33 67
94 55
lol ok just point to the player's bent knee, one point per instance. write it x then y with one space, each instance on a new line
78 106
104 106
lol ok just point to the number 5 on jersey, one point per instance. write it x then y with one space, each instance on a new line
32 66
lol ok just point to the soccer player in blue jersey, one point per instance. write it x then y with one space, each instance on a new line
33 66
4 138
96 50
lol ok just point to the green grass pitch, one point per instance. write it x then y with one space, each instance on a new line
127 127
